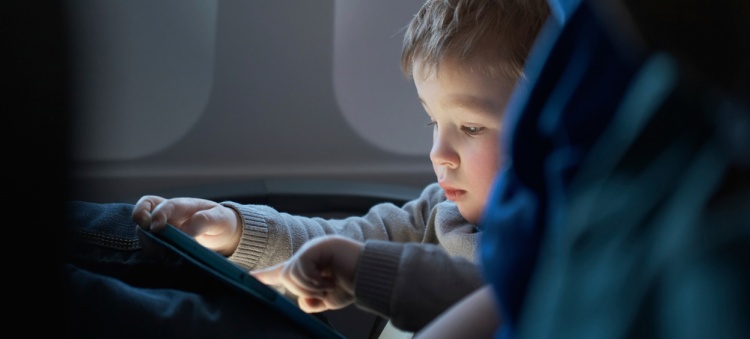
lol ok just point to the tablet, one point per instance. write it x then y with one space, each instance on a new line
239 278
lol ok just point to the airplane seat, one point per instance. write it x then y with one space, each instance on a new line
310 197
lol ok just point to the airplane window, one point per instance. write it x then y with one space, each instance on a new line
176 93
135 64
369 86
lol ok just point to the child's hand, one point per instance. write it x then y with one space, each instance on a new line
321 273
211 224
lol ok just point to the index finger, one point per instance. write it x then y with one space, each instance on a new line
270 275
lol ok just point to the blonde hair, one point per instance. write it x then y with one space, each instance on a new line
504 30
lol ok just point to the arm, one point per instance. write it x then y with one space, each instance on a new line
475 316
270 237
411 283
259 236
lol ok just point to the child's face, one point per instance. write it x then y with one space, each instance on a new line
465 108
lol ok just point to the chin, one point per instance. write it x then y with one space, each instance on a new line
472 218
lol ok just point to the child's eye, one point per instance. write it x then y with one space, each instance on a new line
472 130
431 124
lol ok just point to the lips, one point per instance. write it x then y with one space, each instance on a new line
451 193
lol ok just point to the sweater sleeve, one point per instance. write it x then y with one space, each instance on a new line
412 283
270 236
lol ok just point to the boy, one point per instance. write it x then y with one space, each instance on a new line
635 232
465 57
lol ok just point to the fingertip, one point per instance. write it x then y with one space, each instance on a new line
156 226
310 305
142 221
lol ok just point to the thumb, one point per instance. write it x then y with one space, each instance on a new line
270 275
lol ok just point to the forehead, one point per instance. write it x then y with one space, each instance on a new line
490 57
461 84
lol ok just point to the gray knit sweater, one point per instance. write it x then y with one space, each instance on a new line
419 258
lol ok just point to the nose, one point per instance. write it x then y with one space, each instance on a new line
443 153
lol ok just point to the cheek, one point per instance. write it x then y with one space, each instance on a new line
486 175
485 166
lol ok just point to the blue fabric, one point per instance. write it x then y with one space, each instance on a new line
575 80
655 241
561 10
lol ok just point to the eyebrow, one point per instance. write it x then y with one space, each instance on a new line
467 101
475 105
